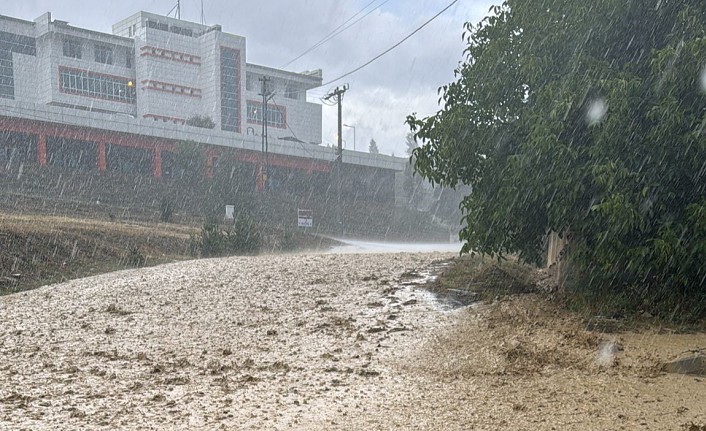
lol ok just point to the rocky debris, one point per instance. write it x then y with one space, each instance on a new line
263 332
693 362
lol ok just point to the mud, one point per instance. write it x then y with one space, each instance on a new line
320 342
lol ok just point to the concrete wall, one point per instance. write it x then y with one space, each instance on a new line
26 78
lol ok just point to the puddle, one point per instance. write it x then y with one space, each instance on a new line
417 283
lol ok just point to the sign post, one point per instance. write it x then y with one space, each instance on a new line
305 218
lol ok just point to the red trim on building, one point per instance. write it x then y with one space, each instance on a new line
168 87
157 163
101 138
284 161
165 118
102 159
166 54
211 153
280 108
41 148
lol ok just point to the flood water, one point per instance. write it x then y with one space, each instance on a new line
360 246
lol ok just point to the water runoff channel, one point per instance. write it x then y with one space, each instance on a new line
416 284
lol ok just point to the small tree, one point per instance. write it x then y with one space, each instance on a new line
373 147
205 122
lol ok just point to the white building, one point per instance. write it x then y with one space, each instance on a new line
128 97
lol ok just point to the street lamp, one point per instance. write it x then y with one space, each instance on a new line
352 127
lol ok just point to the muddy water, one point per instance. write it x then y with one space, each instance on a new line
319 342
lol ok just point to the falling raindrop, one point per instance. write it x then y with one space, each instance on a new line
596 111
702 80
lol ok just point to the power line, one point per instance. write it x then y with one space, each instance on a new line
335 32
286 123
382 53
393 46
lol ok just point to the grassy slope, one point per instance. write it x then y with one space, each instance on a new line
38 249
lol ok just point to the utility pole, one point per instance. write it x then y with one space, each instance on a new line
337 96
265 93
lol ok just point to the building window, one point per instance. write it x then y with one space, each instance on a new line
72 154
230 89
127 160
129 54
157 25
291 92
90 84
12 43
181 30
17 43
7 80
276 115
104 54
72 48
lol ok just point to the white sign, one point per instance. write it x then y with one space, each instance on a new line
230 209
305 218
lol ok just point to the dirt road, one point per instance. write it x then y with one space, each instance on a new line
319 342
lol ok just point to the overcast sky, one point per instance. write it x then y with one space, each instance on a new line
380 96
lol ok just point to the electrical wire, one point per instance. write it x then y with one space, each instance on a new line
392 47
335 32
286 123
381 54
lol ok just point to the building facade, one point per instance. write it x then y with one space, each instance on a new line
78 98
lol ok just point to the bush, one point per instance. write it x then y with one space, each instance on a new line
134 257
166 210
242 237
204 122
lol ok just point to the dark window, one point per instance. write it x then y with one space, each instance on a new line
17 149
72 48
16 43
12 43
7 80
250 81
104 54
129 54
84 83
137 161
181 30
71 154
230 89
157 25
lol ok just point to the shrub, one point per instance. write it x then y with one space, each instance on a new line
166 210
204 122
134 257
242 237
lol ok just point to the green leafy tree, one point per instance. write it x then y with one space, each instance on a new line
373 147
585 118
